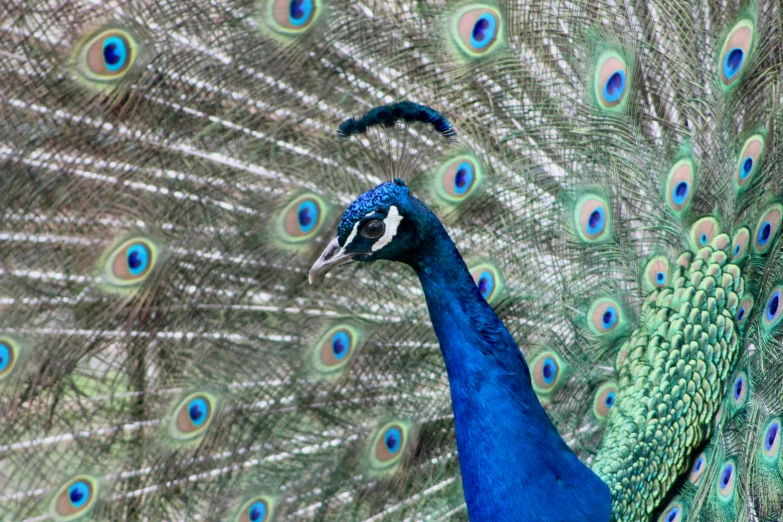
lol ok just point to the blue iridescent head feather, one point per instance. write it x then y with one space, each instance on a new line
389 115
381 197
386 222
375 225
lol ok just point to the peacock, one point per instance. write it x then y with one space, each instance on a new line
490 383
599 185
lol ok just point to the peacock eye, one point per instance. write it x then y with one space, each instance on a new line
489 281
547 371
129 264
373 229
259 509
656 272
736 49
388 446
9 353
333 351
739 248
767 229
604 400
726 480
458 179
680 185
673 514
611 80
192 416
739 390
749 158
772 439
293 17
743 310
699 465
773 309
107 56
476 30
592 219
703 231
75 498
301 219
604 316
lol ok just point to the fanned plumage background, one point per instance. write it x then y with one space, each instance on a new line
195 161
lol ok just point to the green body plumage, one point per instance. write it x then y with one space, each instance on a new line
170 170
671 382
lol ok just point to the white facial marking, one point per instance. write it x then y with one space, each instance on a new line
392 221
352 234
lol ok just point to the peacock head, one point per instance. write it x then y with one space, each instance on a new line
382 223
386 222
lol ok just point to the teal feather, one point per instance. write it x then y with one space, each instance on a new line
193 143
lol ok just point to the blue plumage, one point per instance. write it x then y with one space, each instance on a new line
380 197
514 464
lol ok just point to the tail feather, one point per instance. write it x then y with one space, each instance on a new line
207 379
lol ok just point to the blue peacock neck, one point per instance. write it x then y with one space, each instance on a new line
514 464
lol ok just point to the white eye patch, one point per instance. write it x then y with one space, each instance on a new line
392 222
352 235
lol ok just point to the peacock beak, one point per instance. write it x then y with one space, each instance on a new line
331 257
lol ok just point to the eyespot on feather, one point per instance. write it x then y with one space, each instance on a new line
743 310
680 185
611 80
458 179
130 263
547 370
74 499
726 479
192 416
388 445
335 349
767 229
257 509
107 56
703 231
592 219
739 390
656 273
698 468
301 219
749 160
293 17
739 247
770 441
603 401
604 315
735 52
674 513
488 280
477 30
773 308
9 355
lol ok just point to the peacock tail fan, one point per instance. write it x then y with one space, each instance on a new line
169 171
